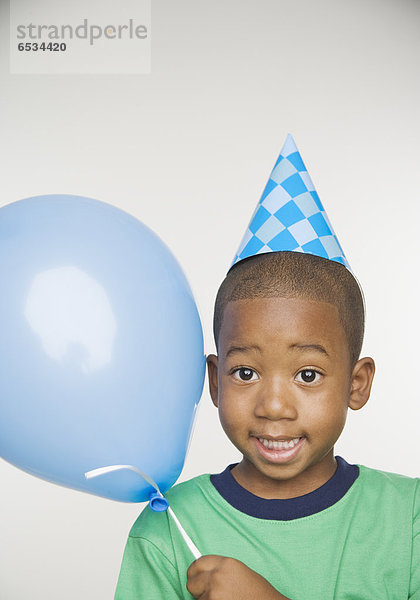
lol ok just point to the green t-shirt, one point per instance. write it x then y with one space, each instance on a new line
365 546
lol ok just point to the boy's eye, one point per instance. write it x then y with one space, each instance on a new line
308 376
245 374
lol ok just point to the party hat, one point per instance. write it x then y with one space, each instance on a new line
289 215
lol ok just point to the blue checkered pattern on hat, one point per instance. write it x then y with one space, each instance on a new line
289 215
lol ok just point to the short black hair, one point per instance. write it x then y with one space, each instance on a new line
288 274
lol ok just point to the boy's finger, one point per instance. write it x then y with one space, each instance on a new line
199 575
197 585
193 569
204 563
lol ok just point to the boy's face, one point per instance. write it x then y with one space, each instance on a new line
283 373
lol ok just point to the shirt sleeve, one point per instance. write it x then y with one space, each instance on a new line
146 573
415 556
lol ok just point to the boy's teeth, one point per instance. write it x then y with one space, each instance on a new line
278 445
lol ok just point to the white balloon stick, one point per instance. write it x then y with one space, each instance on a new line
196 553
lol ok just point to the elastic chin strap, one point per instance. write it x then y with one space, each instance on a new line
157 501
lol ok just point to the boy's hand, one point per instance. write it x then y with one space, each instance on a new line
220 578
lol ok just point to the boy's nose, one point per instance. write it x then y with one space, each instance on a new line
276 402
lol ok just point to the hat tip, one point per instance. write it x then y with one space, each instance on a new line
289 145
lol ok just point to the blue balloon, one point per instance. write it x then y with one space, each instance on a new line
101 347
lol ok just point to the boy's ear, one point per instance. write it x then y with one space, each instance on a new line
212 372
361 382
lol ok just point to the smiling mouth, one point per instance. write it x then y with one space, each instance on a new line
279 451
279 442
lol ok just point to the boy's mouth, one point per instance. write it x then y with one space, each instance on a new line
279 450
278 444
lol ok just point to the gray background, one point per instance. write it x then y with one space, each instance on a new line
188 149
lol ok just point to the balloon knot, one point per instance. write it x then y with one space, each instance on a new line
157 502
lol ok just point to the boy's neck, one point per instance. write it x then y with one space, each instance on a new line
259 484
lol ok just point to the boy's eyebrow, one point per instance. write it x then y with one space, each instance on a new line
234 349
317 347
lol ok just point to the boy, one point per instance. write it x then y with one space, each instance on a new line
291 520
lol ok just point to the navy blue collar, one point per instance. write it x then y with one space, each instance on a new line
291 508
